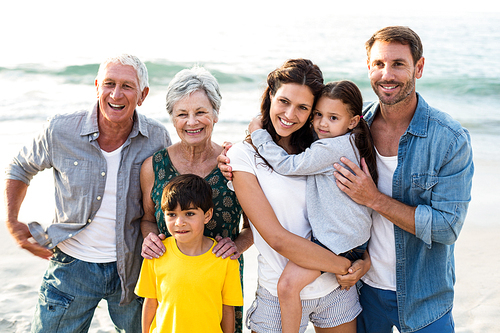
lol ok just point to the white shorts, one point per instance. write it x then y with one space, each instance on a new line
336 308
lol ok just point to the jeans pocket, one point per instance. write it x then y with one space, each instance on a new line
52 306
52 297
61 258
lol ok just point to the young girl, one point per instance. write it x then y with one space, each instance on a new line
337 222
276 207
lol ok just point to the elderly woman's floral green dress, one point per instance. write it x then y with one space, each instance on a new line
227 211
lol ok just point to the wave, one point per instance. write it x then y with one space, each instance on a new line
160 73
460 86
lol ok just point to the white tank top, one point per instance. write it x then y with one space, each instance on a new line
97 242
382 246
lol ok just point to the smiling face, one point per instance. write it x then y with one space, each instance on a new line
194 118
392 72
118 94
187 225
290 108
332 118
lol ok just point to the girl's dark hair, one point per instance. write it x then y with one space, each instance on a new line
300 71
349 94
188 191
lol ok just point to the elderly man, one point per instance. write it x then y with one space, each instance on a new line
425 172
94 242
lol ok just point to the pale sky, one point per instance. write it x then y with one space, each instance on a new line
29 28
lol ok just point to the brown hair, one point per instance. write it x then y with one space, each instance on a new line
187 190
348 93
400 34
300 71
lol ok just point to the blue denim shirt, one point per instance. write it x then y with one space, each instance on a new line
68 145
434 174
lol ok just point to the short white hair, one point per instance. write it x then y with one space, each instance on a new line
187 81
127 59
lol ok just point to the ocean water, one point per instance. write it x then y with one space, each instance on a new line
461 73
50 61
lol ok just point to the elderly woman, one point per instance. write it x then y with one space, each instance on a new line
193 102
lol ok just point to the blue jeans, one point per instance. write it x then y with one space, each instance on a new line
72 289
380 314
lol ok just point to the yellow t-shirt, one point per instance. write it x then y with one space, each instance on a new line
190 290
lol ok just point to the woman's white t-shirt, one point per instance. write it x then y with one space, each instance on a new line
287 196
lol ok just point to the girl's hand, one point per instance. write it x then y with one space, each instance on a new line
255 124
225 248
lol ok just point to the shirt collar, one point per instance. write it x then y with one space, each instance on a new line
419 123
91 128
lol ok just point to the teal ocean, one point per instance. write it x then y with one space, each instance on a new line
51 52
461 73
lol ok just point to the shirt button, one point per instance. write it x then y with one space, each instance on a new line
95 134
75 162
98 197
89 220
103 173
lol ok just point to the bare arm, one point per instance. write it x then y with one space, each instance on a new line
226 247
15 192
361 188
356 271
227 322
245 238
299 250
148 313
152 245
317 159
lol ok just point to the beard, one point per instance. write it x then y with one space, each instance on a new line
406 89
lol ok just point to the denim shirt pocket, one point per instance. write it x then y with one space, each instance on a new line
75 175
422 184
74 178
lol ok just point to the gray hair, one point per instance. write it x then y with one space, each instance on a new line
187 81
127 59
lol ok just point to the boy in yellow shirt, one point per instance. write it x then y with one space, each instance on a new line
188 289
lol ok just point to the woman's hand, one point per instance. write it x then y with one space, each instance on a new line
226 248
152 246
356 271
223 161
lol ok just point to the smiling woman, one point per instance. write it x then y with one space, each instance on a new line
276 206
194 119
290 109
193 102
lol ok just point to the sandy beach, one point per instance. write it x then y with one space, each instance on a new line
477 301
51 58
